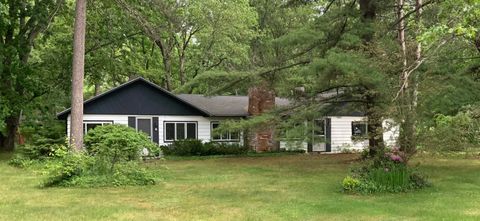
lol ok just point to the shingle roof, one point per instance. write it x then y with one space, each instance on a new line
218 106
225 106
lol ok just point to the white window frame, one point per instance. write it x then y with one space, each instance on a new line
101 122
359 122
229 134
185 123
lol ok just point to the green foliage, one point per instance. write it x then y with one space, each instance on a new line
30 154
83 170
395 178
116 143
22 24
197 148
460 132
61 172
112 159
350 184
386 173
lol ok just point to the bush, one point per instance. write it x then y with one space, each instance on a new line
27 155
72 165
453 133
83 170
350 184
386 173
117 143
197 148
219 148
113 153
185 148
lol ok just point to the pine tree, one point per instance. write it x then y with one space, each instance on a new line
76 127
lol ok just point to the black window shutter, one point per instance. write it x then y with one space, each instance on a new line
155 130
328 135
132 122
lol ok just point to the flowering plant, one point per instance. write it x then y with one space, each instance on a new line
395 155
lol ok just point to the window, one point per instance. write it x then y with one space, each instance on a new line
292 130
359 128
180 130
144 125
319 127
88 125
225 136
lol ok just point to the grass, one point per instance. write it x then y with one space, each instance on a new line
278 187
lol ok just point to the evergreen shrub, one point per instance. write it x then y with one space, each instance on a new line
198 148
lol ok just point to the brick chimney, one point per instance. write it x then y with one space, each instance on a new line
260 100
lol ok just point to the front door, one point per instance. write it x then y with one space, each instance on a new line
318 133
145 125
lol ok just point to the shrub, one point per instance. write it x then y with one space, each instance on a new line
117 143
72 165
28 154
83 170
185 148
197 148
386 173
112 156
219 148
350 184
460 132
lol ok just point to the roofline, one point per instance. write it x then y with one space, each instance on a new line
66 111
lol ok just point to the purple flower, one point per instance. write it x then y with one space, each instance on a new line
396 158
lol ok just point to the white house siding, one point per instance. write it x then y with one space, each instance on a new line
203 123
117 119
203 126
341 129
341 135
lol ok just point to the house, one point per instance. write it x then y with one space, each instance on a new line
166 117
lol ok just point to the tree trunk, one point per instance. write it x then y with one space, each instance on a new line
181 60
401 35
98 89
374 126
405 98
8 141
374 113
418 53
409 99
167 64
368 10
76 128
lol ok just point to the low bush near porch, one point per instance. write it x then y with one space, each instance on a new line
112 158
80 169
387 173
197 148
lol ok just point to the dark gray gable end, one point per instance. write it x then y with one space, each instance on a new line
138 97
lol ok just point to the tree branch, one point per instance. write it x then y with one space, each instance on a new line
94 48
261 74
406 15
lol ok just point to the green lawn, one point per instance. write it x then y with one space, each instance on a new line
292 187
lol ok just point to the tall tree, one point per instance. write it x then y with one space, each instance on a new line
193 36
21 24
76 126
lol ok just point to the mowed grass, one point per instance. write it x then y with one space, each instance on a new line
287 187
